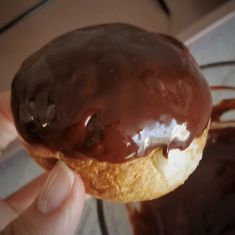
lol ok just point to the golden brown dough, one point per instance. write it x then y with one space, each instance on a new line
141 179
109 100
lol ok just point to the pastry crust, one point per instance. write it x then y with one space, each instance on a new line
106 95
143 178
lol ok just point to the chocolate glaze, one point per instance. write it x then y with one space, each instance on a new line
205 204
221 108
111 92
222 87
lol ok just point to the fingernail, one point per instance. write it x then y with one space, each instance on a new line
56 188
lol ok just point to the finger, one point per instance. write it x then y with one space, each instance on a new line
88 196
6 214
5 104
56 210
7 129
17 202
23 198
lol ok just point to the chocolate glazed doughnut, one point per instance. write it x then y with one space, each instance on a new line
121 106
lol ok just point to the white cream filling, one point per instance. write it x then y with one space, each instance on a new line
179 165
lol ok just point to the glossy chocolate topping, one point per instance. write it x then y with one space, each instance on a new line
204 205
111 92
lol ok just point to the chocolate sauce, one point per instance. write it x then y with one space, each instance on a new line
205 204
221 108
111 92
222 87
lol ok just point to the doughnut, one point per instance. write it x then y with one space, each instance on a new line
127 109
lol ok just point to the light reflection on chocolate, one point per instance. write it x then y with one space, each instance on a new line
205 203
160 134
94 90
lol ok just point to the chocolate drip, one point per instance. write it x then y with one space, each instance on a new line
222 87
221 108
111 92
205 203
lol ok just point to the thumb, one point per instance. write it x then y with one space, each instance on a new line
56 210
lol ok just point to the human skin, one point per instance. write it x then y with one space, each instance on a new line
50 204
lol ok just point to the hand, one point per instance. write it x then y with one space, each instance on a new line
51 204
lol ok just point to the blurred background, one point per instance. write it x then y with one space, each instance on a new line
26 25
207 27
